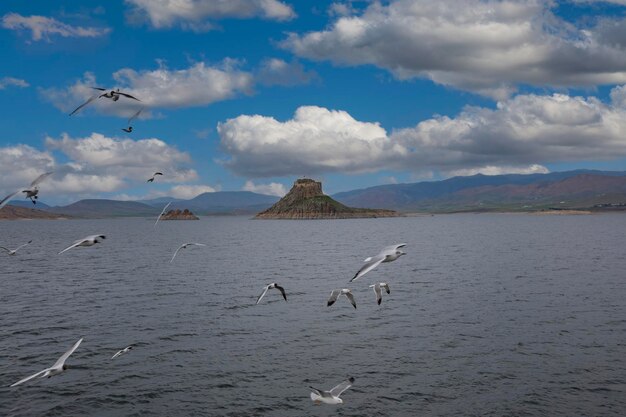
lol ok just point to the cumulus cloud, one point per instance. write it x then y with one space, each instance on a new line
484 46
190 191
316 140
10 81
273 188
93 164
274 71
199 15
499 170
520 135
198 85
43 28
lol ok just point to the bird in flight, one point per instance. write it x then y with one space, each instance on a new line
110 94
269 287
331 397
31 192
121 352
88 241
14 251
58 367
162 213
151 179
336 293
184 246
378 290
134 116
388 254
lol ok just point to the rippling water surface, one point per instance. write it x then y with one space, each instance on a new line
488 315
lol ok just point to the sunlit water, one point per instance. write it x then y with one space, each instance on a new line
488 315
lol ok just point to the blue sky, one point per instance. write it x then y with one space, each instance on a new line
251 94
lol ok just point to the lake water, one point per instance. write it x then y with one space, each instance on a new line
489 315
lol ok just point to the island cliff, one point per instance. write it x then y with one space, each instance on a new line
179 215
306 200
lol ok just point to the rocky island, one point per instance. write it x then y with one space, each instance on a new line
306 200
179 215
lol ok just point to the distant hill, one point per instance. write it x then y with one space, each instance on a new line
11 212
97 208
29 204
219 202
571 189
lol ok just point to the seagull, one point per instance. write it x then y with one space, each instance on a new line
12 252
162 213
155 174
88 241
121 352
388 254
336 293
134 116
379 293
58 367
31 192
269 287
332 396
184 246
112 94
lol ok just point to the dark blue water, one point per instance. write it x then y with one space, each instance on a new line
488 315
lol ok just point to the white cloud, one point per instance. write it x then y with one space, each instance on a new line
274 71
499 170
93 164
10 81
198 15
316 140
42 27
273 188
520 135
197 85
190 191
484 46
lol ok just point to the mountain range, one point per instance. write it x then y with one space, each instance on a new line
580 189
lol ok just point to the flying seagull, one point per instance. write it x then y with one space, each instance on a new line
184 246
58 367
31 192
155 174
162 213
112 94
121 352
134 116
12 252
332 396
336 293
377 290
269 287
388 254
88 241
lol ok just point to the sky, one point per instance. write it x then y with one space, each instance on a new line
253 94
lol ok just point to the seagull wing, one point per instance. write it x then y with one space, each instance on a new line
176 253
158 173
127 95
391 249
63 358
162 213
98 88
267 287
92 98
8 250
21 381
40 178
368 266
21 246
94 237
385 286
333 297
8 198
379 295
351 298
282 291
134 116
78 242
339 389
319 392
